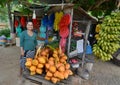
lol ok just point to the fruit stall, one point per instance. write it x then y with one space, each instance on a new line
65 32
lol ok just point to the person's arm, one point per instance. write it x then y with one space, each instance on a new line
22 51
21 43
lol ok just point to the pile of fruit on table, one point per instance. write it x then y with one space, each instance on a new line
51 62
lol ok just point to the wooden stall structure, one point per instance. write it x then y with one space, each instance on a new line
77 15
85 23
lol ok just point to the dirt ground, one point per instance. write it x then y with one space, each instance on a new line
104 73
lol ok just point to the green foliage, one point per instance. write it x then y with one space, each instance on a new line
3 2
3 15
97 13
5 32
91 2
96 7
24 10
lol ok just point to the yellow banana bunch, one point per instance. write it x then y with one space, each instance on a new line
58 16
97 28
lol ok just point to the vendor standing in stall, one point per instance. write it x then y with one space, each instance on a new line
28 44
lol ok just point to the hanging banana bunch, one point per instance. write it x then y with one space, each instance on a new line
58 16
97 29
108 37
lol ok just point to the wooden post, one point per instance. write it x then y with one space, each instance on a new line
70 33
10 17
85 42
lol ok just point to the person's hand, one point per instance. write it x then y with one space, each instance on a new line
22 53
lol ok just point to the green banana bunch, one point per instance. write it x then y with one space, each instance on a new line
101 54
109 37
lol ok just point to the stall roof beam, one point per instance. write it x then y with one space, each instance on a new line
62 4
80 21
44 4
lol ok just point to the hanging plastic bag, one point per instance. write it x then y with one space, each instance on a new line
23 22
34 15
88 48
19 30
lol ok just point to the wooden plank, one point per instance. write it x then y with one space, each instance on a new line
36 78
72 80
3 25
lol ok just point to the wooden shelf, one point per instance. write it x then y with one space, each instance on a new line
39 79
